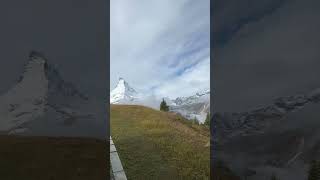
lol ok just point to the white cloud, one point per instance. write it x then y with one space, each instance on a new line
193 79
161 44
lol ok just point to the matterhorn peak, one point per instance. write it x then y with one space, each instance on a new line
36 57
38 70
124 86
123 93
43 103
34 54
122 82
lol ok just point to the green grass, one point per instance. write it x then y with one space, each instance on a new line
32 158
159 145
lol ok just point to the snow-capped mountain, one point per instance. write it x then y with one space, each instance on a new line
27 99
194 106
257 120
198 97
282 136
42 103
123 93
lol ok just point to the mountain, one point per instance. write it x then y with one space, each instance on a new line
229 124
281 138
123 93
198 97
43 103
194 106
27 98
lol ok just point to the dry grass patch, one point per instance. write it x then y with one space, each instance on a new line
159 145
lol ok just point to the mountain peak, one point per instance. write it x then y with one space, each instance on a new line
42 99
122 82
203 92
200 96
124 86
34 66
37 56
122 92
37 69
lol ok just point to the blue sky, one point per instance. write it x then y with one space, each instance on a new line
161 46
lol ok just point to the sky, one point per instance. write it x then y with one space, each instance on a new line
161 47
264 50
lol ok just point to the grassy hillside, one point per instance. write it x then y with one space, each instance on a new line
159 145
31 158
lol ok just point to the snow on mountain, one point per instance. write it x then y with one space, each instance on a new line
283 135
258 119
194 106
123 93
198 97
42 103
27 99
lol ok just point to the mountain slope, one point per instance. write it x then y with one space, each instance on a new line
282 138
43 103
159 145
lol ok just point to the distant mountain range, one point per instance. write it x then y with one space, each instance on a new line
42 103
281 138
194 106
